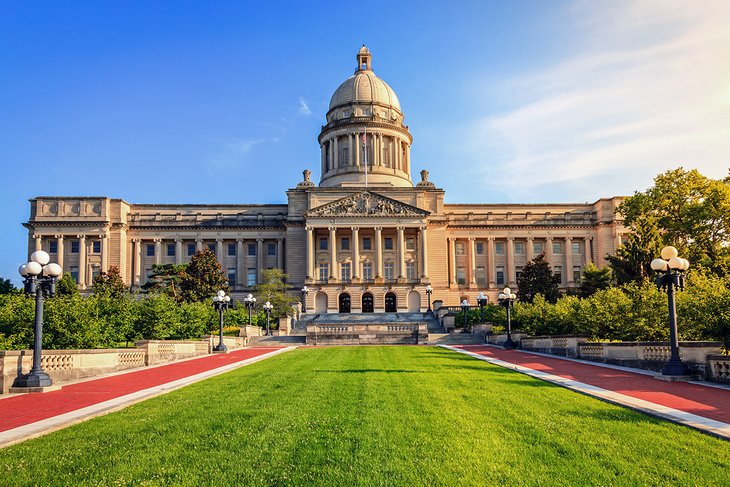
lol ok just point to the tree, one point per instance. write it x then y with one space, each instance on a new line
537 278
165 278
6 287
67 286
202 278
594 279
632 262
273 289
109 283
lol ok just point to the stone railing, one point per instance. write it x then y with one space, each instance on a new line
362 334
566 346
718 368
502 337
250 331
159 351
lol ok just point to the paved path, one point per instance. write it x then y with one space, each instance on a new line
24 416
699 406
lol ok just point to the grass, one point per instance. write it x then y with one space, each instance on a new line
370 416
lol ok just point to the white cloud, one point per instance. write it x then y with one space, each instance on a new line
304 107
649 91
232 154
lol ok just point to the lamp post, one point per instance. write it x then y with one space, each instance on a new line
671 269
221 302
429 291
305 291
482 301
40 279
267 309
249 301
506 298
465 310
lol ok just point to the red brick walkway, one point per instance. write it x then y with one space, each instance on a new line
24 409
709 402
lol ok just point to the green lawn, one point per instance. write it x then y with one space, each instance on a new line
371 416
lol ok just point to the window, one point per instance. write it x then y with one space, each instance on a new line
95 270
232 277
53 247
557 247
411 270
211 247
411 243
367 271
459 248
558 273
74 270
481 276
500 276
576 274
345 271
388 270
75 247
171 250
499 248
520 248
251 250
345 243
251 277
366 243
346 156
231 249
96 247
322 244
271 249
150 250
323 271
146 276
577 248
461 275
480 248
388 243
191 249
386 159
518 273
537 248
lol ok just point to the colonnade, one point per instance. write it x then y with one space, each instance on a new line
85 271
383 150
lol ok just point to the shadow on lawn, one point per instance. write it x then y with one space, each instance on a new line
369 371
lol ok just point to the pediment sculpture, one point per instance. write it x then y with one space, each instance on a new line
367 204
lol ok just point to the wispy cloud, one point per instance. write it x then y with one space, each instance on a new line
304 107
650 90
232 154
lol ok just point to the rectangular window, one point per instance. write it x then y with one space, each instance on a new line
499 248
459 246
150 250
74 270
388 243
480 248
367 271
386 159
171 250
323 271
461 275
577 248
345 243
252 250
537 248
96 247
322 244
500 276
345 271
53 247
232 277
411 243
251 277
557 247
388 270
271 249
95 270
366 243
481 276
411 271
346 156
518 273
558 273
191 249
211 247
231 249
576 274
75 247
520 248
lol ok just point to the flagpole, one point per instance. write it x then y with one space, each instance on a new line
365 146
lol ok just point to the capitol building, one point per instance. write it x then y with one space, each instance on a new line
367 237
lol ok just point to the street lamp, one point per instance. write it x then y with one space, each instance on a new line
506 298
249 301
429 290
465 310
482 301
305 291
267 309
671 277
221 303
40 279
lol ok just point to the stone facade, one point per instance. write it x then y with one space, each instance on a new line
364 239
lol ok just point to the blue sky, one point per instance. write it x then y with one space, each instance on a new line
221 102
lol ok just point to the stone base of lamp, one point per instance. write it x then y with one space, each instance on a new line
33 379
32 390
675 378
220 349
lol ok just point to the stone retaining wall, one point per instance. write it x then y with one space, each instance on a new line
367 334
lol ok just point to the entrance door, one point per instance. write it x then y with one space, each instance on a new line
367 303
390 304
344 303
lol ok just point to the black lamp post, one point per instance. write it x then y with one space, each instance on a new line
506 298
221 303
249 301
40 279
465 310
671 277
305 291
482 301
429 291
267 309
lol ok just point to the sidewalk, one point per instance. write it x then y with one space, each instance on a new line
24 416
699 406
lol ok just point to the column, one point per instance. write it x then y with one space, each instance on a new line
219 250
240 268
260 259
356 155
104 253
401 253
61 253
424 254
350 138
569 261
158 251
511 261
472 262
355 252
331 155
178 251
198 244
490 263
530 248
336 153
378 252
588 249
452 262
310 253
280 253
137 271
38 242
333 252
549 250
82 261
323 157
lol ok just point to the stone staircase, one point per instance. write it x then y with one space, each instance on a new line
455 339
278 341
368 328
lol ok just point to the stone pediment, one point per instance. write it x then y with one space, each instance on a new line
368 204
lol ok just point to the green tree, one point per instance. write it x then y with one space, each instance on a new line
202 278
166 278
594 279
6 287
67 286
110 283
632 262
537 278
273 289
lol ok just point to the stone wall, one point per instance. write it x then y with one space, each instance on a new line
563 345
367 334
718 368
